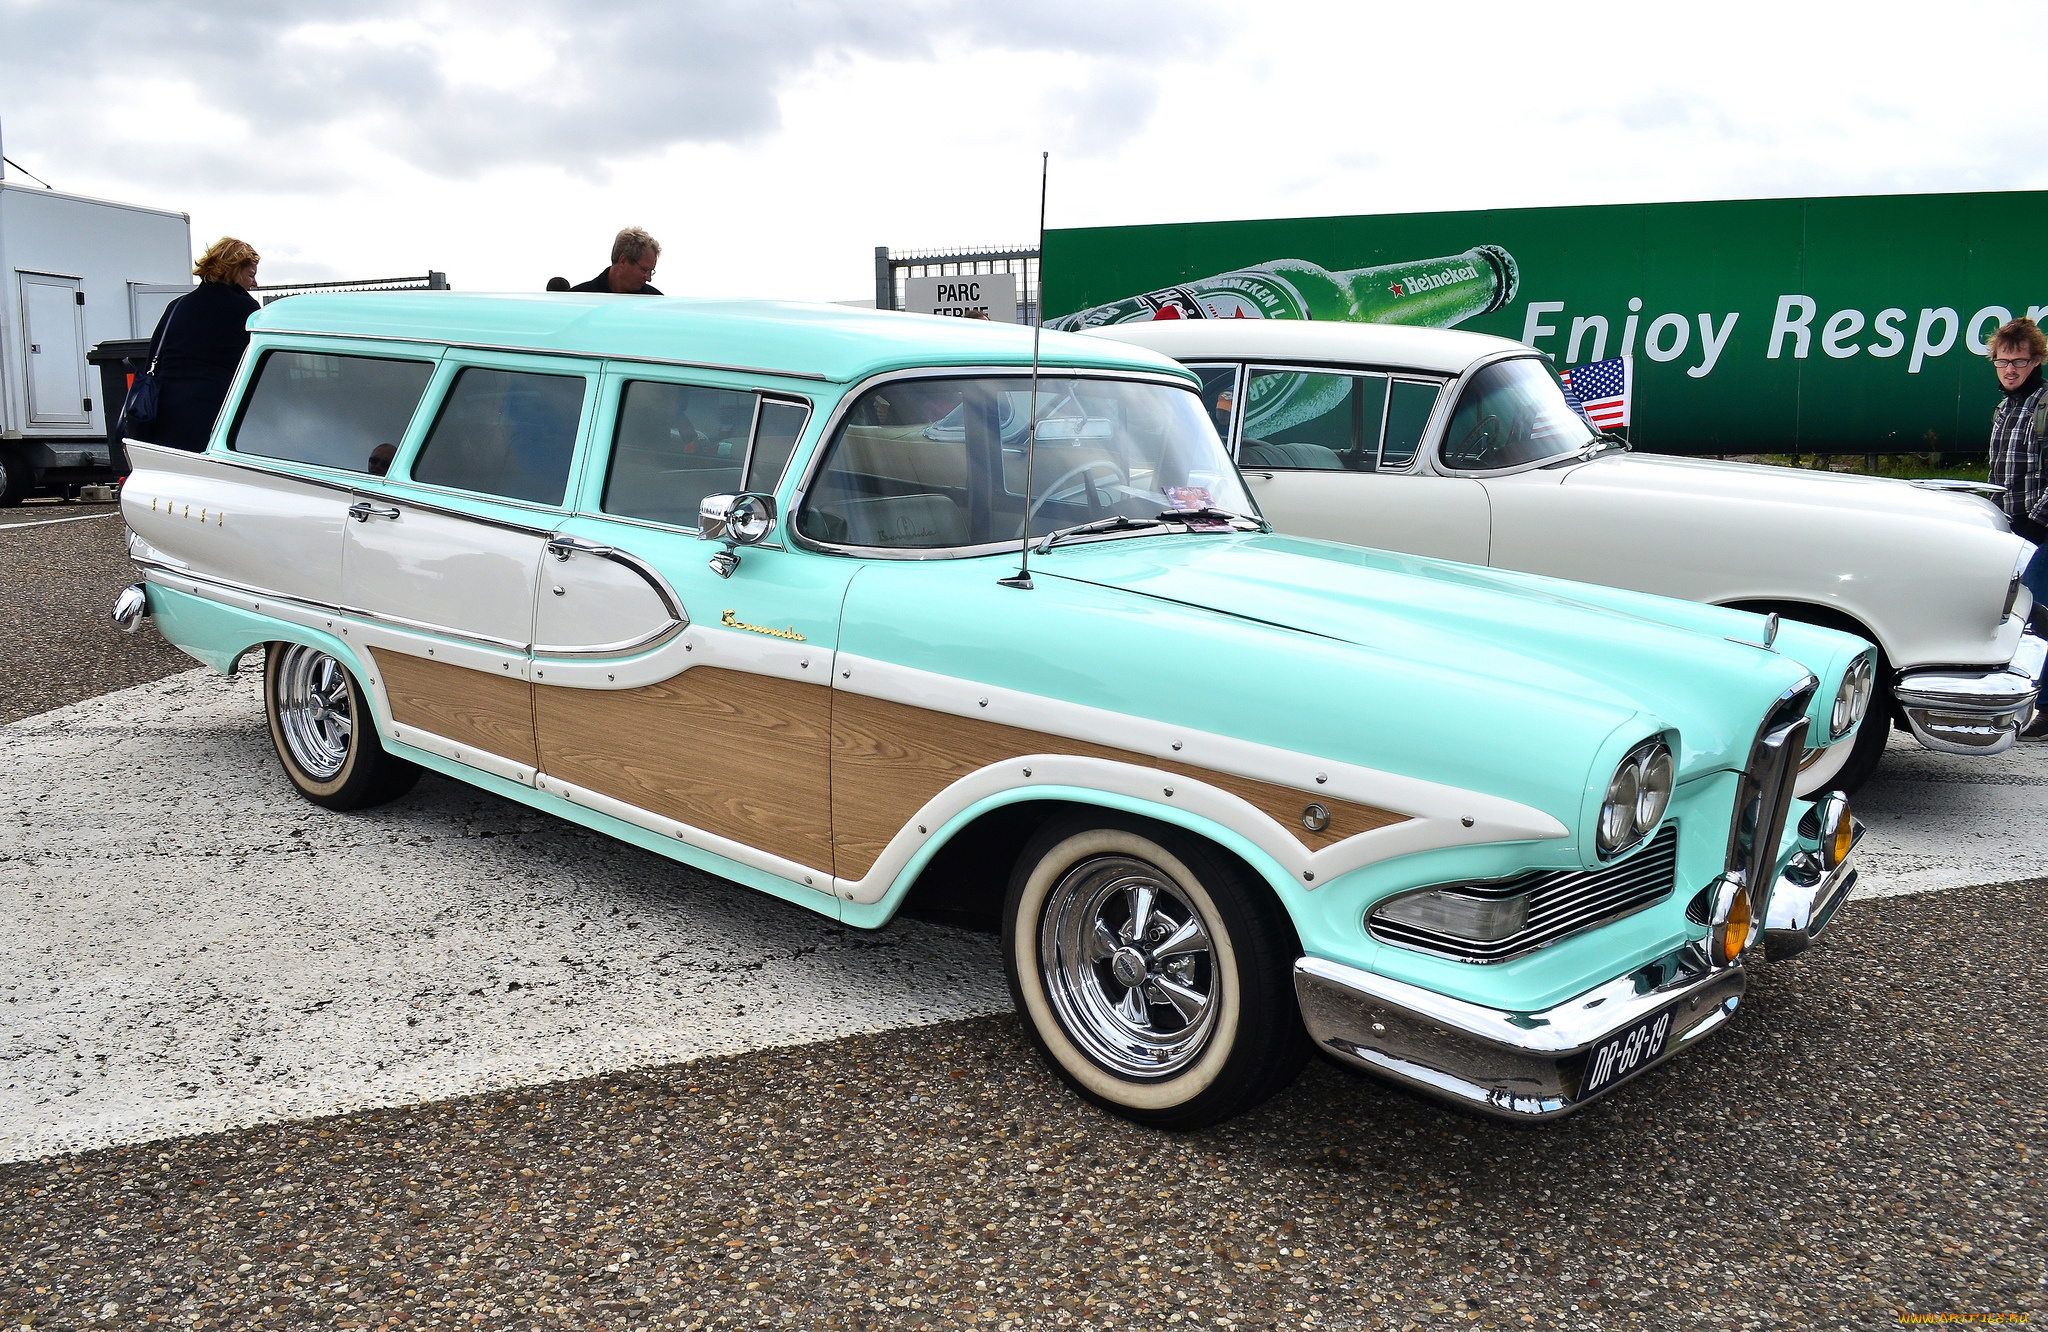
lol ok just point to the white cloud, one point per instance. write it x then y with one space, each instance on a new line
771 146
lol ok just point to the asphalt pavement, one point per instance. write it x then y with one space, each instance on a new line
451 1062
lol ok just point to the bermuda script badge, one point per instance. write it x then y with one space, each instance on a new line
731 621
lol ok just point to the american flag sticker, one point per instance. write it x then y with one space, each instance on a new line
1600 390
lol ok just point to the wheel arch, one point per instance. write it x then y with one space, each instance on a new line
220 635
940 882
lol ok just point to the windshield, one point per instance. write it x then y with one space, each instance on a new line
921 464
1512 414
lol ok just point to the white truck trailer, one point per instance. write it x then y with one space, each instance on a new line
76 272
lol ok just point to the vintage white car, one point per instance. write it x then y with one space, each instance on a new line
1462 446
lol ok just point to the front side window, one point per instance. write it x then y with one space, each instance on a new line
332 411
1313 420
506 433
935 463
677 443
1512 414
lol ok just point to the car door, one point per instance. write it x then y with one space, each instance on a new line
691 702
1332 453
441 558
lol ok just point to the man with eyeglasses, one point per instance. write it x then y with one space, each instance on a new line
2018 425
2018 428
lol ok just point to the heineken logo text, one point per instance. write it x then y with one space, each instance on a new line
1431 281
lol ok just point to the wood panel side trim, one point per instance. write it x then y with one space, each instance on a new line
742 756
889 759
493 713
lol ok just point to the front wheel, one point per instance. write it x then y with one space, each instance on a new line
15 479
1154 974
324 733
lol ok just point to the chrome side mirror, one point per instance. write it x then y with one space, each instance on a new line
737 520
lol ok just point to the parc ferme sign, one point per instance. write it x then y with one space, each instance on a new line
991 296
1755 326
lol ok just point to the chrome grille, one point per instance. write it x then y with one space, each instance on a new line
1809 826
1764 794
1561 903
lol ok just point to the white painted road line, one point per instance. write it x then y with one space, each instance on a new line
52 522
191 947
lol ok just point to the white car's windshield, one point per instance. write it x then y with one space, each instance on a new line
940 463
1513 414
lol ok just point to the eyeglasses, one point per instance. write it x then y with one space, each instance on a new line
2011 363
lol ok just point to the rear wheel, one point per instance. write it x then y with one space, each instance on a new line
1155 975
324 733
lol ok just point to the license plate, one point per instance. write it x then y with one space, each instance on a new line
1622 1054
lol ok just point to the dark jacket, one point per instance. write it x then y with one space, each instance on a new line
603 282
196 347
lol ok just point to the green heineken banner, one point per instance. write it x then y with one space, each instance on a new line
1841 325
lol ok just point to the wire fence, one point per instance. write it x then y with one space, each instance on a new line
428 281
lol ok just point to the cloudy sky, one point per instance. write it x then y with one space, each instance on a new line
771 146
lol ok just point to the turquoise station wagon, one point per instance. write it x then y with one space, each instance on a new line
740 583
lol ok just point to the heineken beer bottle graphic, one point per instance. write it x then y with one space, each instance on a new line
1436 293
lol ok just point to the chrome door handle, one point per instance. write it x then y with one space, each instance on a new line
364 512
563 547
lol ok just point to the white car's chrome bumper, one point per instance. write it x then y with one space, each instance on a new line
1974 712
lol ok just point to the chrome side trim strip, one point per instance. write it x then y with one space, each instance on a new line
629 647
327 608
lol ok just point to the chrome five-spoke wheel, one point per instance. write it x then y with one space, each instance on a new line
1128 965
313 710
1154 970
321 724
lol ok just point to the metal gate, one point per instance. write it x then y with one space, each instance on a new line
892 268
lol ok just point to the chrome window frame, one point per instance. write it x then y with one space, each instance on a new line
1237 387
761 398
1309 368
794 514
1440 424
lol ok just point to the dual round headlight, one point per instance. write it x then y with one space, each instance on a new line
1637 797
1852 696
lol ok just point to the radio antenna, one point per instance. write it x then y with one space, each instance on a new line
1037 308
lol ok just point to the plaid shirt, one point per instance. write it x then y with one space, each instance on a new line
2016 455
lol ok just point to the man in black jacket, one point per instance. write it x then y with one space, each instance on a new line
633 256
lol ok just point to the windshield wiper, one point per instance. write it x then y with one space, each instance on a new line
1116 524
1213 514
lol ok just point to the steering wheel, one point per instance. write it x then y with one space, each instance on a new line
1479 441
1080 472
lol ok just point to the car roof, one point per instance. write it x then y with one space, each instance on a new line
843 344
1440 350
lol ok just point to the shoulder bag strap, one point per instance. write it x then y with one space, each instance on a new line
156 353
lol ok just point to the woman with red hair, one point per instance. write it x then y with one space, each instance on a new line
199 342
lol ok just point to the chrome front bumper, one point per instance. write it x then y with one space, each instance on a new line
1980 712
1511 1065
1805 899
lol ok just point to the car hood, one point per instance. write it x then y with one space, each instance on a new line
1698 479
1668 659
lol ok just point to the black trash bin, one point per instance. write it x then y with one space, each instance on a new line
118 359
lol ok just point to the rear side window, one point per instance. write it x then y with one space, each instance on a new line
677 443
333 411
1309 421
506 433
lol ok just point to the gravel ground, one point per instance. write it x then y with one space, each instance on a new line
57 584
1865 1143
